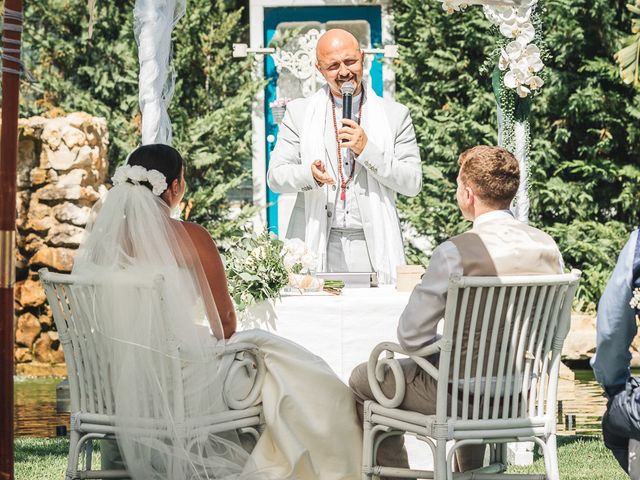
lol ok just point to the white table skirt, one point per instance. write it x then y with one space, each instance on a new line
342 329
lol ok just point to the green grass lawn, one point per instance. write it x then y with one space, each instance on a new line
580 458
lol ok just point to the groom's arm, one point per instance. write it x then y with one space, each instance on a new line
404 173
419 320
286 173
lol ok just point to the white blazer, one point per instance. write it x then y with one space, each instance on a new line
400 172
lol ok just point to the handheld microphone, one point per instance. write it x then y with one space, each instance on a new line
347 90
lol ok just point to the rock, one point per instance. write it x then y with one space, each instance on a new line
68 212
61 158
27 160
74 177
37 369
71 136
60 259
32 293
65 235
22 208
28 329
47 319
79 119
47 348
39 217
74 192
33 243
51 133
86 156
42 348
23 355
39 176
53 192
580 343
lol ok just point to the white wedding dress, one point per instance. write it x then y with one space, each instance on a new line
312 431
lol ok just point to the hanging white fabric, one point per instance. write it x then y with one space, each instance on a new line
154 21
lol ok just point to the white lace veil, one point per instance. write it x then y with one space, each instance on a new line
165 365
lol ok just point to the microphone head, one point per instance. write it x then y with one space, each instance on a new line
348 88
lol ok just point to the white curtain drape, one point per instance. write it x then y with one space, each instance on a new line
154 21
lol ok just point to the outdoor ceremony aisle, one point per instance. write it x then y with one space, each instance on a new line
343 329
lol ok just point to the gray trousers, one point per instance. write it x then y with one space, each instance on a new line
621 423
420 396
347 251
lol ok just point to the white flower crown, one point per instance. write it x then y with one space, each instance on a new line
137 174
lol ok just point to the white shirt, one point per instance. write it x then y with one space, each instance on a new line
347 213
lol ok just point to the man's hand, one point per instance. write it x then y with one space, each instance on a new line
320 173
356 138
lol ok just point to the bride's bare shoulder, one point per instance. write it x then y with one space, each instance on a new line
199 235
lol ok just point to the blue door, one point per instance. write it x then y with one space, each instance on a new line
284 27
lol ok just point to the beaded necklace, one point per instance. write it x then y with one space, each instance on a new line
344 182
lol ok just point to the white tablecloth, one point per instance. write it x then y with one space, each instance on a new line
342 329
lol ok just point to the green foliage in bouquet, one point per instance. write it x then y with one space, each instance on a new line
87 60
585 168
255 270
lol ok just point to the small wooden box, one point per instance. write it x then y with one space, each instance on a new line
408 277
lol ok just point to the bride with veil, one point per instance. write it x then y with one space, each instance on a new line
312 432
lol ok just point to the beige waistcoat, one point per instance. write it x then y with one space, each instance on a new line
501 247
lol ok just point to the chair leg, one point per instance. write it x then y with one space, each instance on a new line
552 452
72 461
441 468
367 450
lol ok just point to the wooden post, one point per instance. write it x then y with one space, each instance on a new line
8 161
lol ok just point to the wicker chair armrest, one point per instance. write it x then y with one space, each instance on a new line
249 358
376 369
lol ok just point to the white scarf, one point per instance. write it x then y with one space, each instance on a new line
385 248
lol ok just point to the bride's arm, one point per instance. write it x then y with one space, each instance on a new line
211 262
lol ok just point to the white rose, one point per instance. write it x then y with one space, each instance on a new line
120 175
137 173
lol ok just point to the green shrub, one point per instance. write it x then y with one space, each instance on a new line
211 108
584 184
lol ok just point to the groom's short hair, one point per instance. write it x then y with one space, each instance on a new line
492 173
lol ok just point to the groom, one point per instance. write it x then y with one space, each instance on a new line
346 172
497 245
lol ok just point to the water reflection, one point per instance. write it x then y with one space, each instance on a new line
35 411
35 408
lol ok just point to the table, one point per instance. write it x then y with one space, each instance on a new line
342 329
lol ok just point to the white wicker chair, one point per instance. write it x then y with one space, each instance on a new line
91 389
516 326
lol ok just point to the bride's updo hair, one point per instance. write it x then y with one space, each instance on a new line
163 158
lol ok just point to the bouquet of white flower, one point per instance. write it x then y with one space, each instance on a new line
256 275
300 262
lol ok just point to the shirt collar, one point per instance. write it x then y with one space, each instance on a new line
491 216
356 99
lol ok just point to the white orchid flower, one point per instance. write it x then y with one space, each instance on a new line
518 78
522 91
532 54
522 31
535 82
451 6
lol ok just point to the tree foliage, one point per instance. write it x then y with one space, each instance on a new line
210 110
584 183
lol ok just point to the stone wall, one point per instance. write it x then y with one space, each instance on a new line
61 171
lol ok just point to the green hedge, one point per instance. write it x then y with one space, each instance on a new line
211 108
584 184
